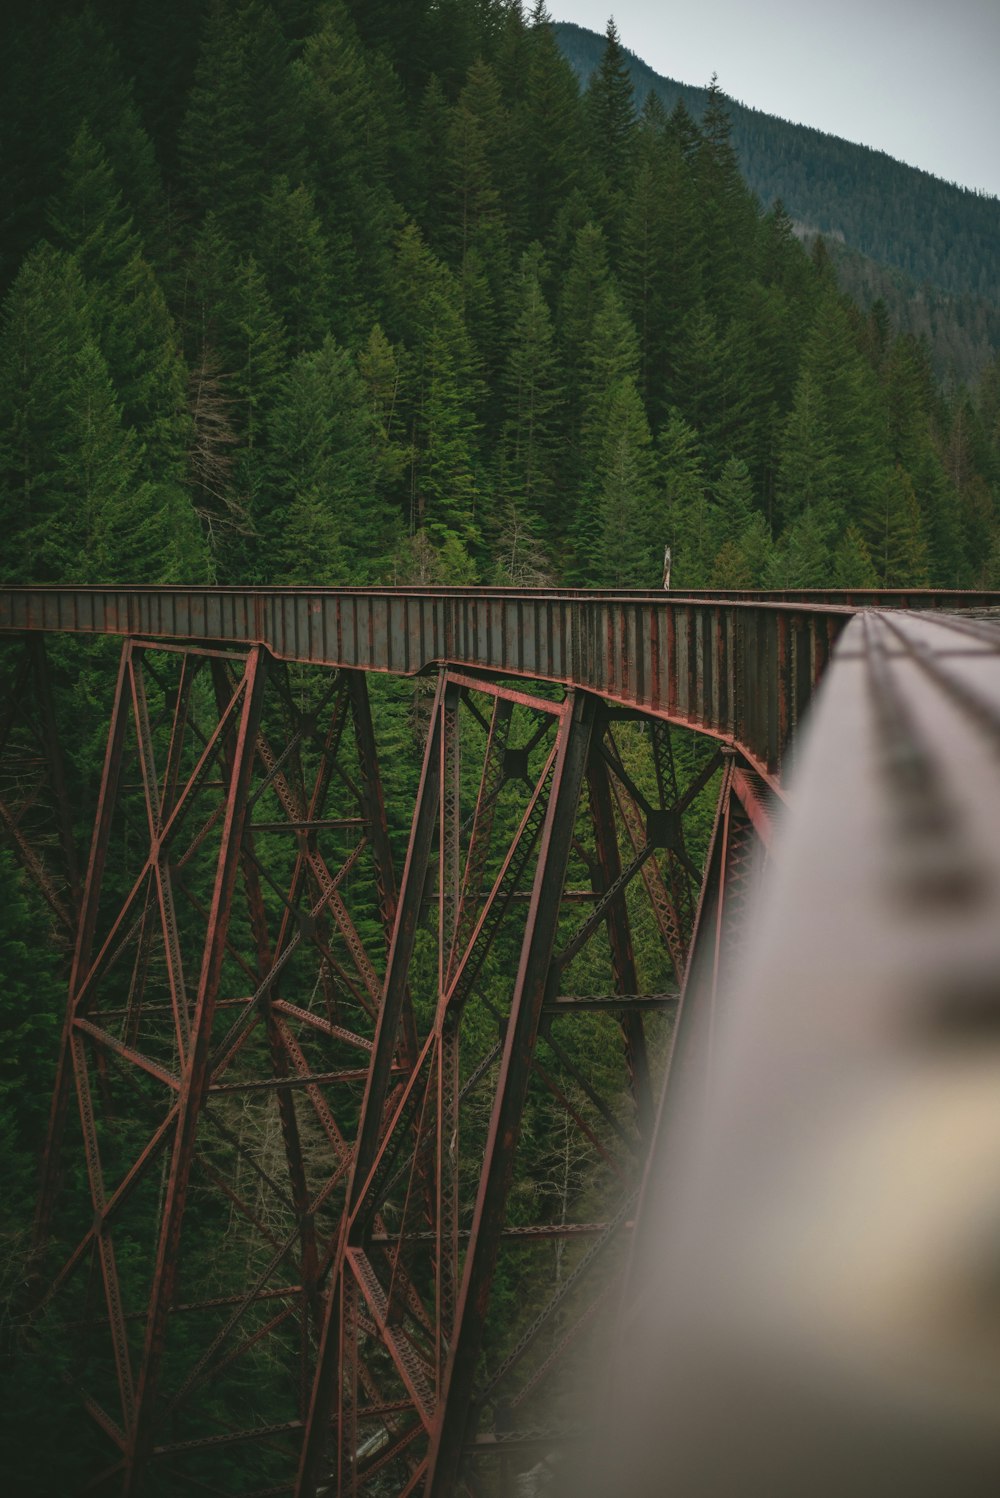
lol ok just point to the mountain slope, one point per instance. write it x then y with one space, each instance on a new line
907 221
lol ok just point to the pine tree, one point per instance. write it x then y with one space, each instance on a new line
808 475
609 106
532 403
783 262
909 400
135 330
64 70
398 28
131 529
734 495
644 241
694 529
729 214
87 215
325 475
430 196
45 328
295 258
852 563
243 123
611 354
163 44
441 392
474 231
475 132
629 510
746 557
447 488
343 115
102 474
712 367
583 291
74 502
848 400
661 257
967 463
380 368
804 552
893 532
254 347
547 126
754 556
683 131
238 349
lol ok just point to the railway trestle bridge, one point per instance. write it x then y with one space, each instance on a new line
354 1132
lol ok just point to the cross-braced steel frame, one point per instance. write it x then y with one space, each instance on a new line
363 1161
280 1073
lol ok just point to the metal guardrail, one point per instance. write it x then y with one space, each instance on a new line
816 1251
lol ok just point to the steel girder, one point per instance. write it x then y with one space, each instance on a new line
337 1076
520 796
218 1032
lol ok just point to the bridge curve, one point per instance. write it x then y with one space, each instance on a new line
885 903
738 666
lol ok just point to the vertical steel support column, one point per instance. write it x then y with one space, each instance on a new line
626 978
195 1074
86 927
377 1087
347 1431
373 802
447 1037
572 753
280 1062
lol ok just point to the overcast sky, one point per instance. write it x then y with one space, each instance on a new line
917 78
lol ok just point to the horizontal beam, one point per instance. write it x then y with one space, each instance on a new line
620 1003
740 667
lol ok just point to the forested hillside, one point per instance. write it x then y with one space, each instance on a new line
936 242
357 292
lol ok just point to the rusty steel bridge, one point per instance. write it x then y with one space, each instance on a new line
300 1067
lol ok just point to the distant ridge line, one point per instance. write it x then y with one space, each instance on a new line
901 216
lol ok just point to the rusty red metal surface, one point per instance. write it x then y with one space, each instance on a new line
738 666
272 1049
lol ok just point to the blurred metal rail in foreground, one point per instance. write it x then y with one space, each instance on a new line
356 1066
815 1294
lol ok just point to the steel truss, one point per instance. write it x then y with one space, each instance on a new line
337 1076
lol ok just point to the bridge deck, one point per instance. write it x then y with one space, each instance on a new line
738 666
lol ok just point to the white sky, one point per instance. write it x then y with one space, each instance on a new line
917 78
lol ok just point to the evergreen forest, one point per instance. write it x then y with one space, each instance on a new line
371 292
376 292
